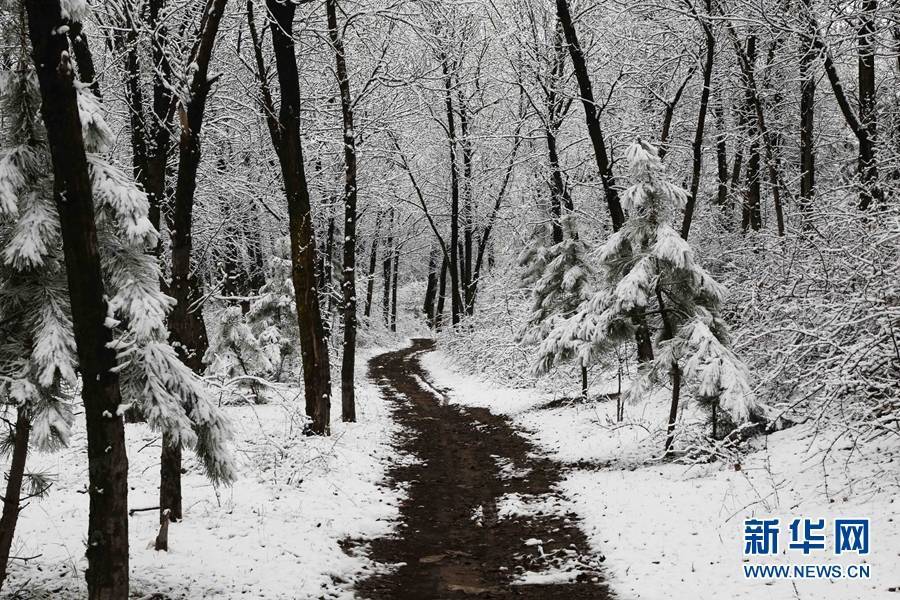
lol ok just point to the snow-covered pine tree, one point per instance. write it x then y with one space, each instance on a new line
37 355
264 342
647 267
559 277
169 394
237 353
37 349
272 316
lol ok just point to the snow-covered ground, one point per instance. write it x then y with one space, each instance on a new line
275 533
676 530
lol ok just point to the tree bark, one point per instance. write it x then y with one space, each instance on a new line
721 156
868 170
186 326
314 347
675 372
701 119
373 261
868 119
159 135
107 539
556 110
747 65
467 209
387 270
394 285
591 116
348 281
455 299
751 215
170 500
669 112
326 262
807 120
559 192
13 495
442 295
431 285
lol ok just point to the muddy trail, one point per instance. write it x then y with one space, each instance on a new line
451 542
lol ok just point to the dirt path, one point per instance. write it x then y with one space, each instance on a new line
450 541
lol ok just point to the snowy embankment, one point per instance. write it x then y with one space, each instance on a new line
276 533
676 531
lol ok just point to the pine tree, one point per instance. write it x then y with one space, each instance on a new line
171 396
272 317
238 353
37 348
560 280
647 267
38 352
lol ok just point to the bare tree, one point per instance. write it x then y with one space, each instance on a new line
285 133
348 280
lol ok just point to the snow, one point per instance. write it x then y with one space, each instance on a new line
275 534
675 531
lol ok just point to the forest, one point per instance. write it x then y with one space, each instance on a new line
414 299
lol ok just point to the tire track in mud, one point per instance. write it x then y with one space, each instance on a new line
451 541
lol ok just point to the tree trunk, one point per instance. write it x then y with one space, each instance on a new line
737 165
721 156
186 326
807 120
348 280
559 193
591 115
864 127
675 372
170 481
442 295
159 136
701 121
373 261
492 217
314 348
669 112
107 539
150 136
431 285
467 210
747 64
13 496
673 408
455 299
752 216
326 270
868 119
386 272
394 279
584 383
